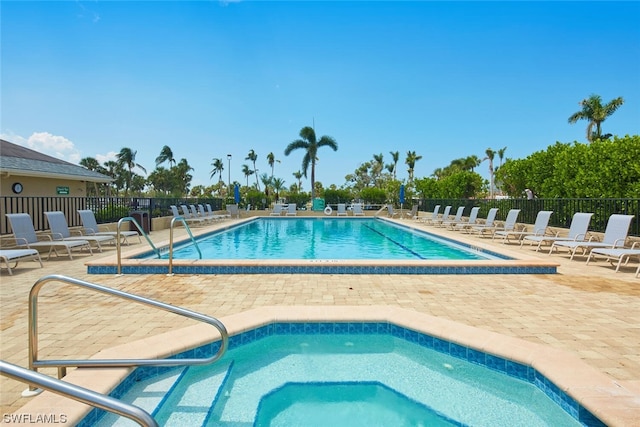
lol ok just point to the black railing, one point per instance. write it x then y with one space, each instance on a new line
106 209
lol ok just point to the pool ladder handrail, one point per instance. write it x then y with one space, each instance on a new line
118 243
34 363
80 394
193 240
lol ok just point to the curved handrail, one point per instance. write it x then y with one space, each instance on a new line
78 393
140 230
186 226
34 363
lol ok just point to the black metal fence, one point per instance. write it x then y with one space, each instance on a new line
111 209
563 209
106 209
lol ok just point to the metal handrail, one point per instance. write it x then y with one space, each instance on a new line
140 230
34 363
186 226
78 393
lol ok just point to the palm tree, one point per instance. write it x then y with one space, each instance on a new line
267 181
165 155
309 143
127 157
298 175
253 157
278 184
595 113
490 155
471 162
501 154
246 170
92 164
410 161
395 155
271 159
218 167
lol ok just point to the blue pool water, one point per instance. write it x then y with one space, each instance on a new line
326 238
362 374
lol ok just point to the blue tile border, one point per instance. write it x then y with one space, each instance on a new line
496 363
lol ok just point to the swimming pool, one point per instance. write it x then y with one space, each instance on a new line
376 246
281 373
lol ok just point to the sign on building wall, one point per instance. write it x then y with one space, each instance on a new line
62 191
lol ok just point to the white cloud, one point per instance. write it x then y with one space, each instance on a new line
102 158
55 146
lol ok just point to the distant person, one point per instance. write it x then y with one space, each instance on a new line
529 194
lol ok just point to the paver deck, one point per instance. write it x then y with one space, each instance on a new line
589 311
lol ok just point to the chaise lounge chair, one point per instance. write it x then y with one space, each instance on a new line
25 237
445 217
577 231
60 231
391 212
342 210
456 219
9 256
413 213
614 236
619 254
357 209
233 211
90 227
539 229
277 210
489 223
433 217
473 219
291 210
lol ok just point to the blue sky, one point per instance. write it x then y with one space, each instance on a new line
444 79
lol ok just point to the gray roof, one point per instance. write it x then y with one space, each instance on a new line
21 161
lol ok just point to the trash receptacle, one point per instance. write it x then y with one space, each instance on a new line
142 218
318 204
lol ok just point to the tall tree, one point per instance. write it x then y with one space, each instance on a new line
253 157
278 184
218 167
595 113
310 144
490 156
271 159
501 154
165 155
247 171
410 161
92 164
127 157
298 175
395 155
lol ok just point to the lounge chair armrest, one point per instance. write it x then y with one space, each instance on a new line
45 237
633 246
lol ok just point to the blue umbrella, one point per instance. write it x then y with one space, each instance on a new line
402 194
236 193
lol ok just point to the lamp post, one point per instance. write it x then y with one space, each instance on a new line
229 159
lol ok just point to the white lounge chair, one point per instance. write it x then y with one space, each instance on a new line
291 210
25 237
615 236
539 229
473 220
577 231
357 209
190 217
391 212
233 211
413 213
60 231
277 210
445 217
9 256
342 210
456 219
489 223
212 214
619 254
90 227
433 217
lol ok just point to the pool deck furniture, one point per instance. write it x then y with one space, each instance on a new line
619 254
391 212
413 213
433 217
291 210
60 231
489 224
509 224
25 237
9 256
471 221
90 227
539 229
438 222
342 209
357 209
190 217
577 232
457 218
233 211
615 236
